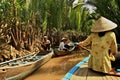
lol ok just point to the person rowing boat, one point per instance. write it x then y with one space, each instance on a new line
65 47
102 39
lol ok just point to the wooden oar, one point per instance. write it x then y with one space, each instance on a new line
89 50
75 43
85 48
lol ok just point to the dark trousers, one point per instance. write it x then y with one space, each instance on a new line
67 46
116 63
46 47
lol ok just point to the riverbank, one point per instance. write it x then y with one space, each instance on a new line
57 67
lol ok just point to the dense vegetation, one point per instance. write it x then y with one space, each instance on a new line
23 23
31 19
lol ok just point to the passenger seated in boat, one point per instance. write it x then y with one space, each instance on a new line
63 44
46 43
102 39
64 47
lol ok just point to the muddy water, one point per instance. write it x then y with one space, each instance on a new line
57 67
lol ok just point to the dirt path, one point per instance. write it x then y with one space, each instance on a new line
56 68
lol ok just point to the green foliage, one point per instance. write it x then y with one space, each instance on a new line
84 22
109 9
46 14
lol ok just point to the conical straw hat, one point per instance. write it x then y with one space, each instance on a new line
64 38
103 24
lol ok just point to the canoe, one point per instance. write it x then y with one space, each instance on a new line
64 52
20 68
81 72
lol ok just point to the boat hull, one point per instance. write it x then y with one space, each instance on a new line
22 71
61 53
64 52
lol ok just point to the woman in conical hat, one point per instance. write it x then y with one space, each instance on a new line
102 39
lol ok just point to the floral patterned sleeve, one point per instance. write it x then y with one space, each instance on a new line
113 46
86 42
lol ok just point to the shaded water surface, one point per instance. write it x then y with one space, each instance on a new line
57 67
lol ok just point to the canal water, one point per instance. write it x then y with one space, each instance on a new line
57 67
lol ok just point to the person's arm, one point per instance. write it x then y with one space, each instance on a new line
113 46
86 42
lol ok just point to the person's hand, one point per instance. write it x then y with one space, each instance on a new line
79 44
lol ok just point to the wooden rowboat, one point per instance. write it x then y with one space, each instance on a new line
64 52
81 72
20 68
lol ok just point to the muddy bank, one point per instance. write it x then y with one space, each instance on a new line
57 67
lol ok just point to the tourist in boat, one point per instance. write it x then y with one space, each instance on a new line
102 39
46 43
64 48
64 44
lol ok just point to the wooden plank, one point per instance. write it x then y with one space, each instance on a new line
114 78
92 75
118 78
104 78
74 69
98 76
108 77
81 73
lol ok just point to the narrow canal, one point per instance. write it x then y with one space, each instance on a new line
57 67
